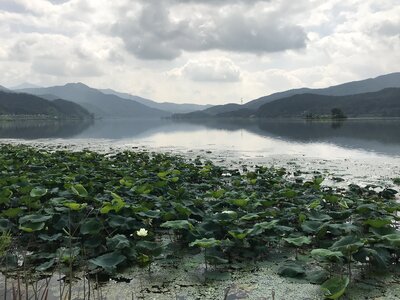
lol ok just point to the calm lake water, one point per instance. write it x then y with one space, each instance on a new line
327 140
360 151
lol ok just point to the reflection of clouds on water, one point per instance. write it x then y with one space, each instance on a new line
364 139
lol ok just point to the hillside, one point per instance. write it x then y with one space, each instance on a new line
249 109
385 103
209 112
4 89
167 106
349 88
21 104
100 104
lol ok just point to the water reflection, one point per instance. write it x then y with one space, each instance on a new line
277 136
37 129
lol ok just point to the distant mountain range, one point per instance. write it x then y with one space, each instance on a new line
297 102
100 104
385 103
2 88
373 100
21 104
107 103
167 106
349 88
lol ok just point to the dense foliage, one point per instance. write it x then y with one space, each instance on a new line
103 212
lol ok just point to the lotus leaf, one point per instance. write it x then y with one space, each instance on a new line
177 225
335 287
205 243
298 241
79 190
38 192
292 269
108 261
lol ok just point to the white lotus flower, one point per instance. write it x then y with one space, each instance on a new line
142 232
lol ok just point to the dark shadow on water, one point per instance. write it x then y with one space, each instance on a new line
39 129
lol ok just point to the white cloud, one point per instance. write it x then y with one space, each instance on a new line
211 70
182 50
155 31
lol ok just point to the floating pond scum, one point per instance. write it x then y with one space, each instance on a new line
161 226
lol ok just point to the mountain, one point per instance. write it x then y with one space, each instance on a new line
167 106
209 112
12 103
249 109
349 88
100 104
385 103
4 89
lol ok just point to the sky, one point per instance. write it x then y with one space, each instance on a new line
198 51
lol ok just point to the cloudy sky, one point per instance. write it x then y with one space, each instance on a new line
199 51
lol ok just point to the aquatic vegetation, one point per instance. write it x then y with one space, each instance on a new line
101 213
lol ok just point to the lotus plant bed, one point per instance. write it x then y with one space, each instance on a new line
98 214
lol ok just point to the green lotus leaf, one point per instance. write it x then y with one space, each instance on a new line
291 269
378 223
298 241
75 206
250 217
118 242
347 245
79 190
5 196
240 202
319 216
34 219
38 192
261 227
335 287
12 212
239 234
288 193
31 227
205 243
45 266
149 248
177 225
108 261
311 226
5 225
218 194
393 239
326 253
50 238
317 276
152 214
91 226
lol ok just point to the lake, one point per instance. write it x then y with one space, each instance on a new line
364 151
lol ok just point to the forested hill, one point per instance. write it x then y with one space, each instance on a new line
21 104
385 103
